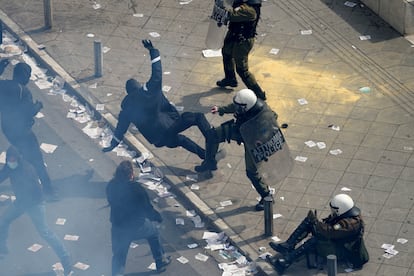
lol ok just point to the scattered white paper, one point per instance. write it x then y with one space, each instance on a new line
350 4
301 158
201 257
345 189
3 157
190 213
264 255
35 247
306 32
105 49
138 15
229 165
402 241
364 37
192 245
100 107
310 143
48 148
60 221
166 88
90 35
4 198
195 187
226 203
182 260
321 145
152 266
96 6
391 251
39 115
335 151
81 266
133 245
192 177
71 237
179 221
408 148
211 53
334 127
198 223
282 198
302 101
154 34
185 2
276 239
387 256
387 246
274 51
275 216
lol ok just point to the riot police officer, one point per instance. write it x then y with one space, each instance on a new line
245 107
239 41
341 234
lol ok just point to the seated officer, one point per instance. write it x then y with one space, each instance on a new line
340 234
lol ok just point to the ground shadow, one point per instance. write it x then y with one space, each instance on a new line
362 19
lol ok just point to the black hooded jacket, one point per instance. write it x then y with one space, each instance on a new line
24 181
147 107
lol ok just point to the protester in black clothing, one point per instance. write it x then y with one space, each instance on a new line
29 199
155 117
17 118
132 216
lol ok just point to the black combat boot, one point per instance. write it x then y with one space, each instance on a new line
299 234
206 165
227 82
282 263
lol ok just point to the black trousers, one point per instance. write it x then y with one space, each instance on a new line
173 138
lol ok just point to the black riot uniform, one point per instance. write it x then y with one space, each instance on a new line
238 43
340 234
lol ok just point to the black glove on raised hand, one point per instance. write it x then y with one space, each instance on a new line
147 44
312 217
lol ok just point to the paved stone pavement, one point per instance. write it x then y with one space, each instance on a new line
327 68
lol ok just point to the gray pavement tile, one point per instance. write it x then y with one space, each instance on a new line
388 170
335 163
376 142
366 153
381 183
328 175
395 157
320 188
354 179
351 136
386 227
361 166
400 199
394 213
386 269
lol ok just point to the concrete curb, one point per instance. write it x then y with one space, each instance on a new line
184 192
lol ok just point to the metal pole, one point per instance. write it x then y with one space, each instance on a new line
332 269
97 45
47 7
1 32
268 216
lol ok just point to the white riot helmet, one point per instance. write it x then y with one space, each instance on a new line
342 203
244 100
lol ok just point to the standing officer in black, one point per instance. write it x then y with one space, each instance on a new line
238 43
17 118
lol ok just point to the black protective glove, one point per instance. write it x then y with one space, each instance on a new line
113 145
147 44
3 65
157 217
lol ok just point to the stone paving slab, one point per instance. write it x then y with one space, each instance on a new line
327 68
